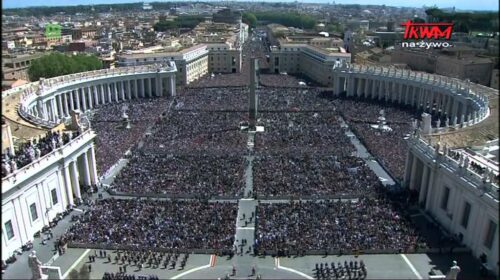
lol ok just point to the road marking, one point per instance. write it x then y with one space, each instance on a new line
190 271
76 209
251 228
213 260
249 199
294 271
411 266
75 263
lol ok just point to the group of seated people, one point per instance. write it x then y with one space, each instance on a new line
367 223
388 146
190 131
34 149
312 175
350 270
302 132
156 224
194 175
113 139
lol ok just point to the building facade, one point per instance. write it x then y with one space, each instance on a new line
34 194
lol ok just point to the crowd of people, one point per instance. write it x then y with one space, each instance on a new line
312 175
113 139
198 175
34 149
368 223
388 146
156 224
302 132
197 131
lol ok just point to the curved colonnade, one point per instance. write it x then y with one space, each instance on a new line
462 201
47 102
437 95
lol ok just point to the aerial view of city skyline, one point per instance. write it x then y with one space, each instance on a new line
480 5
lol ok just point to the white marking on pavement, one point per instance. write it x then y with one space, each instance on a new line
79 210
249 199
190 271
294 271
252 228
75 263
411 266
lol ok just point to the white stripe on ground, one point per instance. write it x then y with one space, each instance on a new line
190 271
75 263
252 228
247 199
79 210
295 271
411 266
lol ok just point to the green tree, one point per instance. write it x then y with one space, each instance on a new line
249 19
58 64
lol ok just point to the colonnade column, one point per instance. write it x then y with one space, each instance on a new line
109 92
103 99
77 100
67 183
413 175
150 90
95 95
55 110
92 165
115 90
65 99
430 190
74 179
136 89
172 86
454 112
129 89
90 97
122 89
84 99
143 94
86 172
367 87
60 105
423 186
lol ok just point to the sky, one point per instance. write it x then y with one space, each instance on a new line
480 5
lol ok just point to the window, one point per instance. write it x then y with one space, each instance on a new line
492 228
34 213
465 215
53 193
9 229
444 200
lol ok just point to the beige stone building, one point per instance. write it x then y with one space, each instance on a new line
15 67
478 70
208 48
192 62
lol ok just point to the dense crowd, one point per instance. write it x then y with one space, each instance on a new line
388 146
155 224
370 223
312 175
33 150
192 131
113 139
303 132
200 175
